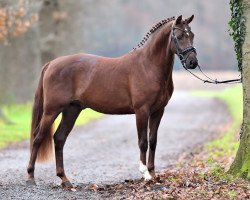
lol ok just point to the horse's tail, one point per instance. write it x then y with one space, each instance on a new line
45 149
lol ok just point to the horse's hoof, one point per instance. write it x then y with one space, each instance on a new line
147 177
67 185
30 182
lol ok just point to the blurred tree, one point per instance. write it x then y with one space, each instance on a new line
14 20
114 27
61 28
241 164
17 49
48 29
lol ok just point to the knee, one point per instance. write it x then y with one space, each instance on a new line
143 144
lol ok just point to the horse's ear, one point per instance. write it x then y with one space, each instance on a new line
188 20
178 20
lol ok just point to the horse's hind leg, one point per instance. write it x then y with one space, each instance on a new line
45 126
69 117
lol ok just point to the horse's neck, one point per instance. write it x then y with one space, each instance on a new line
157 49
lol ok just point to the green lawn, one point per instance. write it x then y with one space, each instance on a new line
227 145
20 117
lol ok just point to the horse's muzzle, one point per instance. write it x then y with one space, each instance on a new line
191 62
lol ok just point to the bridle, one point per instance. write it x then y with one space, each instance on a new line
184 53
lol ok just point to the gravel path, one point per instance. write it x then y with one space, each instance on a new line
105 151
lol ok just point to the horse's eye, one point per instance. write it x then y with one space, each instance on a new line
191 35
179 37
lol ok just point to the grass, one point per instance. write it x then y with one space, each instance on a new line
20 117
227 145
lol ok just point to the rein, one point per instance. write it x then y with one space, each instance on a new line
181 54
213 81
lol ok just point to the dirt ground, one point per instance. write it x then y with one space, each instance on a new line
105 151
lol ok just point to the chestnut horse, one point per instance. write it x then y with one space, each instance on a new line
139 82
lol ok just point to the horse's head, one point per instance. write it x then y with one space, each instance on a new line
182 42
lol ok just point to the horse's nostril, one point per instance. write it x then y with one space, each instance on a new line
195 63
192 63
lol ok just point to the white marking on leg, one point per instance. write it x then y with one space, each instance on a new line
144 171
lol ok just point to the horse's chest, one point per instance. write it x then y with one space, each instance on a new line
164 95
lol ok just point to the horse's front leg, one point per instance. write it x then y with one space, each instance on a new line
142 116
154 122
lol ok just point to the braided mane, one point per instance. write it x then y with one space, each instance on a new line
152 30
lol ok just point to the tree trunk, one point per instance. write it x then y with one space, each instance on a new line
241 164
61 28
20 60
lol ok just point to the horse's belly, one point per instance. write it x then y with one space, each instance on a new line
113 111
111 105
107 109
